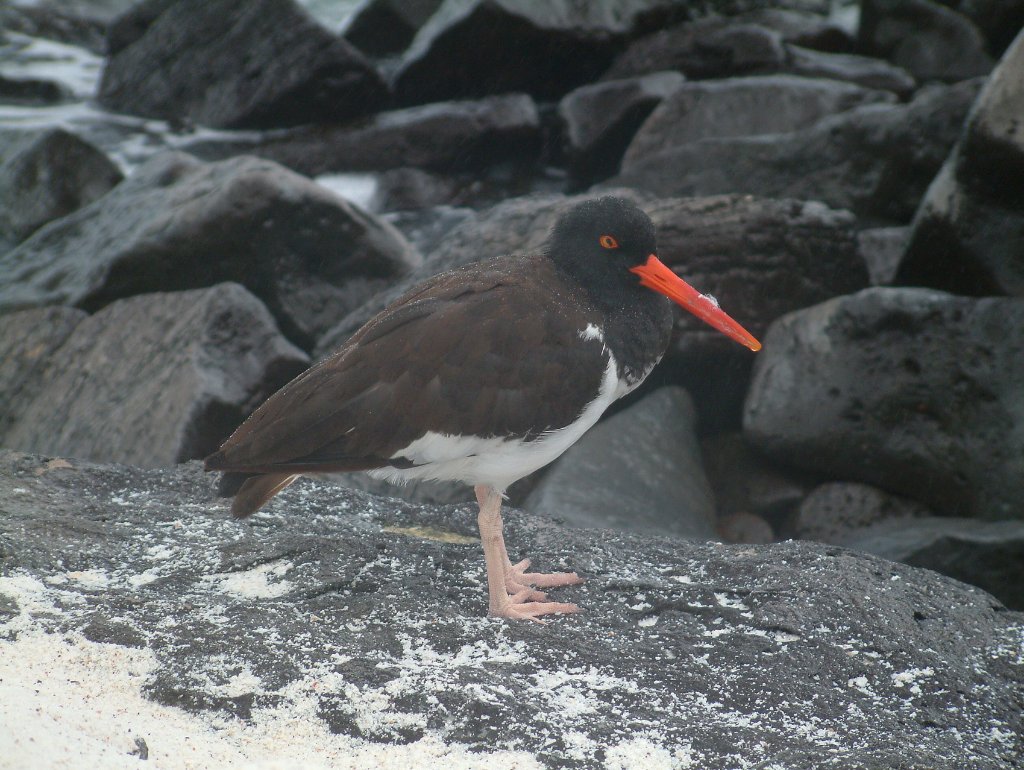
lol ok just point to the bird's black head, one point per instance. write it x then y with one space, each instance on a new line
608 246
602 237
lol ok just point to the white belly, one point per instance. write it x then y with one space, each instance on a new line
498 462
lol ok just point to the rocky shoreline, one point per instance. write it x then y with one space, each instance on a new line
844 177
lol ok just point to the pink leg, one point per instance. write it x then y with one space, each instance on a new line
509 587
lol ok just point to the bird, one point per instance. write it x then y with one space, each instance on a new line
482 374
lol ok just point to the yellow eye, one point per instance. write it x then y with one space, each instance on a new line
608 241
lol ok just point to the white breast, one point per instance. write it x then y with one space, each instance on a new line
499 461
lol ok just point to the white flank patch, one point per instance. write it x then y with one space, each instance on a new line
496 461
592 332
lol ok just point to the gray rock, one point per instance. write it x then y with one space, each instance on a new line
836 511
32 91
155 379
987 554
911 390
382 27
330 612
882 249
27 340
966 235
928 40
258 64
851 68
998 20
45 175
743 107
448 136
712 47
179 224
471 48
876 160
600 119
636 471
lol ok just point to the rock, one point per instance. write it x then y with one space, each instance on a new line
927 39
330 627
258 64
966 234
712 47
864 71
74 26
179 224
987 554
405 189
746 484
742 107
471 48
998 20
427 228
910 390
876 160
28 340
837 511
601 118
638 470
882 249
383 27
45 175
155 379
447 137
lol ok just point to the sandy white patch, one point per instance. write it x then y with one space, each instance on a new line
262 582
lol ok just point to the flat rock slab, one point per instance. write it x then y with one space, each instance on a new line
177 223
152 380
911 390
331 624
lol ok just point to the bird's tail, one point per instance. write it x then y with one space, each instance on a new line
255 490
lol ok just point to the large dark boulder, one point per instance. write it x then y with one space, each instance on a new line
926 38
258 64
967 234
911 390
346 628
153 380
45 175
876 160
177 223
471 48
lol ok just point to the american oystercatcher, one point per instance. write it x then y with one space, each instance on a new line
482 375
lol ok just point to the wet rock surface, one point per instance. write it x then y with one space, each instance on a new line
334 605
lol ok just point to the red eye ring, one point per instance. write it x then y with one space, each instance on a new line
608 242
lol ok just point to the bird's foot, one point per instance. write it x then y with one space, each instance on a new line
516 575
529 610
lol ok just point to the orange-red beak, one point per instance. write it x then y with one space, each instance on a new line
655 275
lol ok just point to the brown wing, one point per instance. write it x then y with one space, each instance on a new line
489 350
